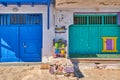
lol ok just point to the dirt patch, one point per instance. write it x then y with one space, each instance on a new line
34 73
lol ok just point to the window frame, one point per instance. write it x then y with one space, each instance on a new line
95 19
114 45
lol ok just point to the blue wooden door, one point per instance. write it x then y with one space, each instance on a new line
30 43
20 37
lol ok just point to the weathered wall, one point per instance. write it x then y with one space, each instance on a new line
87 4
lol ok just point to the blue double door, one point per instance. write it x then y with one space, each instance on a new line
21 43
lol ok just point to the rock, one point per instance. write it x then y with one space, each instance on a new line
44 66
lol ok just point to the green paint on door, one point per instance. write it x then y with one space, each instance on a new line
86 41
85 36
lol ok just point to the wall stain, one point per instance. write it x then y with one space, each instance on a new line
66 3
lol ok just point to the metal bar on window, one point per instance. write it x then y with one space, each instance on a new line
6 19
79 20
20 19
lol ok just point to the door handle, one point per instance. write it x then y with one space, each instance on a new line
24 45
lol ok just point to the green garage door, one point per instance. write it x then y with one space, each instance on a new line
94 36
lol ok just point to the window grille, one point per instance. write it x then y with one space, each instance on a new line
95 19
20 19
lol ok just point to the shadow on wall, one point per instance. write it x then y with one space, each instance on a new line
77 72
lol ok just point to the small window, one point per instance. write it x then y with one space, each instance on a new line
110 19
109 44
80 20
95 19
25 19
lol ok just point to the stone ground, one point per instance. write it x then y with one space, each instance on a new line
33 72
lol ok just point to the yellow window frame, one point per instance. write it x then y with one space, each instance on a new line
114 46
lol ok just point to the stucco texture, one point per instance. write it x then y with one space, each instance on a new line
87 4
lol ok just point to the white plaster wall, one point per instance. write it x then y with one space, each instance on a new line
48 35
66 21
68 18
